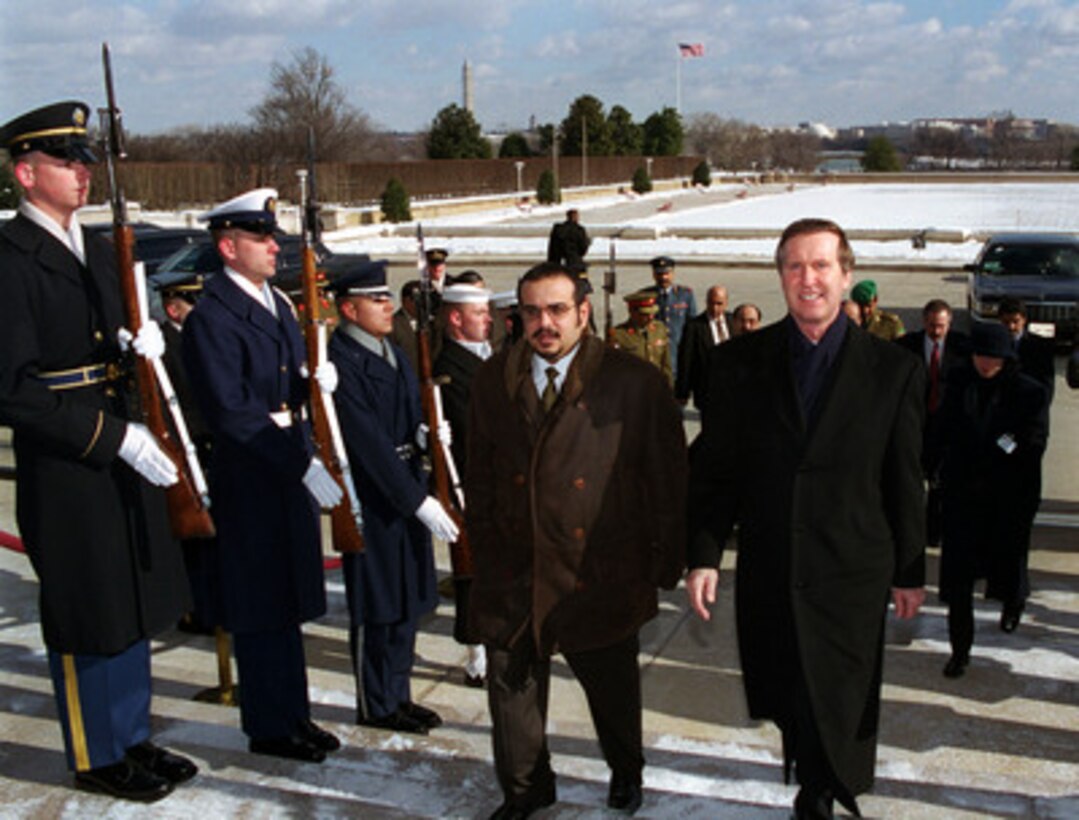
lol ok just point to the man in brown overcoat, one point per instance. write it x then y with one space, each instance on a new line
576 493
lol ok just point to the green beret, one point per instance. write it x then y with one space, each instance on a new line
864 292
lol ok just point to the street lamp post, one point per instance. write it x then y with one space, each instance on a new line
520 166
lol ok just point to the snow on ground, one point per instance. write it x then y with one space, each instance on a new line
973 208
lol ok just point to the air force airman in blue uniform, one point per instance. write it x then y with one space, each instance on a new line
245 359
392 583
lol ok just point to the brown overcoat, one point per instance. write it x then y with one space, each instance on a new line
575 517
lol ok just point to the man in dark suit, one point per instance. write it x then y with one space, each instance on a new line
404 324
392 582
575 490
941 350
704 331
810 445
467 316
244 355
1035 352
89 509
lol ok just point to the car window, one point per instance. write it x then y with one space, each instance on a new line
1031 260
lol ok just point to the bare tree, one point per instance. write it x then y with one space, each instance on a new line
304 94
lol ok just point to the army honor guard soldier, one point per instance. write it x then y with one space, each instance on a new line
89 509
244 356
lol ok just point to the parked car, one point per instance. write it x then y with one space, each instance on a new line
154 244
1042 269
201 257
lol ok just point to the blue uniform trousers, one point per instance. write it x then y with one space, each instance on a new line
103 702
382 657
273 682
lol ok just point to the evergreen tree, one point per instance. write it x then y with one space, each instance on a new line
702 174
663 134
1075 158
626 135
642 183
880 155
514 145
395 202
547 192
455 134
9 188
585 117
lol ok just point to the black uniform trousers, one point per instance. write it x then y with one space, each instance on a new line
103 702
273 682
517 694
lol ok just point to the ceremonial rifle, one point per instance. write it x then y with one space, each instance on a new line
442 467
188 499
346 518
609 286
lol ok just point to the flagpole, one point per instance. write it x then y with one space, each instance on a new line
678 82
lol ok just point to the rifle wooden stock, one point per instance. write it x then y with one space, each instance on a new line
345 535
460 550
188 515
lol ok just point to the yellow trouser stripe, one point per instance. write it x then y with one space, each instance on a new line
74 715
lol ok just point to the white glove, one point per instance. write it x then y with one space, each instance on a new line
326 376
148 342
141 450
434 516
445 434
321 485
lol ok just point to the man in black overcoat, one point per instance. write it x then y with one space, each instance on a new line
810 444
568 242
992 435
94 526
391 584
244 356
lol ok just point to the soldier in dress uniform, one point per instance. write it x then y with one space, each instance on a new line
675 305
436 266
94 523
876 322
245 358
391 584
178 299
642 334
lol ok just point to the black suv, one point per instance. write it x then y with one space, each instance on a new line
1042 269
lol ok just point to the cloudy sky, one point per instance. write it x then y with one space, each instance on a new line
772 62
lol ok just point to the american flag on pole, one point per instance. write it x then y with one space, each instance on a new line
691 49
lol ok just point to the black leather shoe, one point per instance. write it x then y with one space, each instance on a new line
317 736
624 794
173 767
813 804
397 721
428 717
956 666
524 805
293 748
1009 617
126 780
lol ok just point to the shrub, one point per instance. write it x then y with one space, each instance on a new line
642 183
395 202
702 174
547 192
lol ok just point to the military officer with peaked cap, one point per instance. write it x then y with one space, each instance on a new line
392 583
642 334
675 305
93 521
245 359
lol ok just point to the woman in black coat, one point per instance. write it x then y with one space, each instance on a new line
991 439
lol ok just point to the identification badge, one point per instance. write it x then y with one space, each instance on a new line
1007 443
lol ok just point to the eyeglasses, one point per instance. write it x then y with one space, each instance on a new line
556 311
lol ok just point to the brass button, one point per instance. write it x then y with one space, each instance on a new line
579 482
284 405
110 392
519 479
99 336
578 533
284 368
